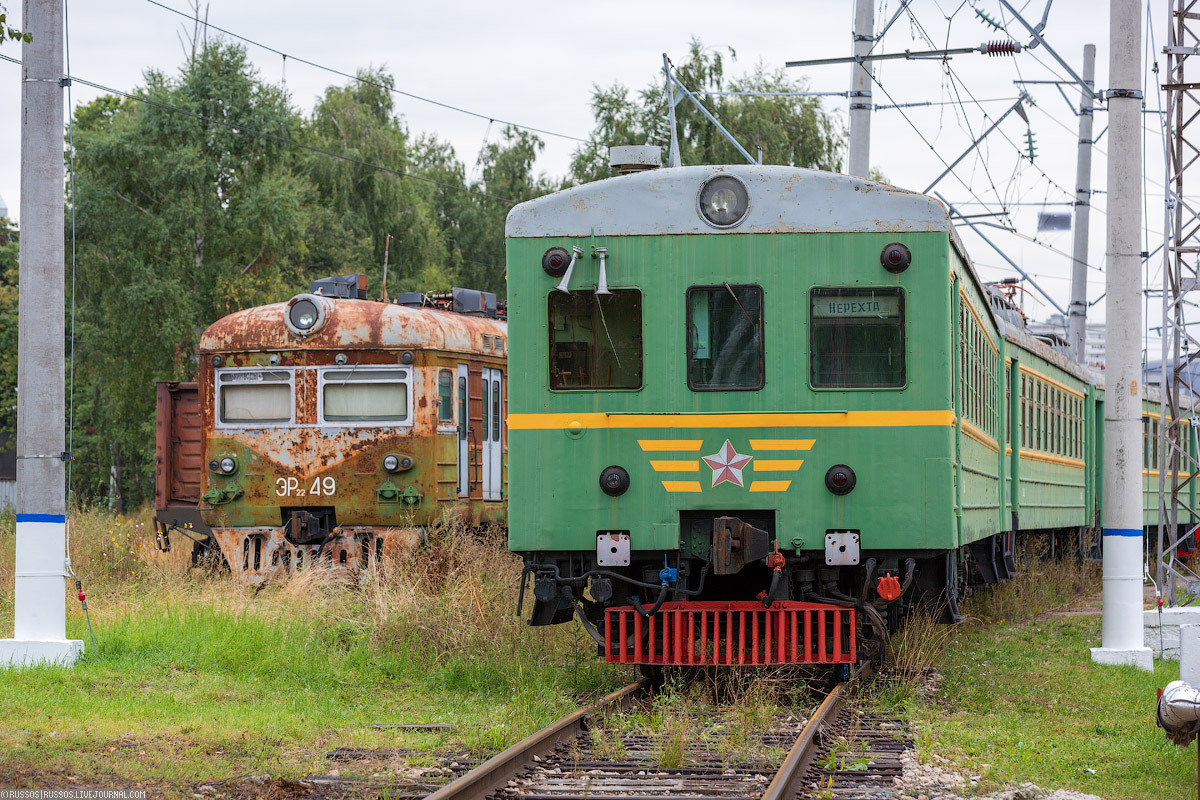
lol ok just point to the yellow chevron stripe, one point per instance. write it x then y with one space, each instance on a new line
781 444
675 466
649 445
769 486
820 419
767 465
681 486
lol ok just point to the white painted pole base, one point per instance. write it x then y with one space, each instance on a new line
1140 657
40 623
1122 637
29 653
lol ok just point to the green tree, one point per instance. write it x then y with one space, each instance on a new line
361 204
181 220
8 31
9 268
790 129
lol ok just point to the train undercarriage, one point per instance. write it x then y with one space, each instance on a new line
729 596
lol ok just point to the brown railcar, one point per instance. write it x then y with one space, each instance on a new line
336 428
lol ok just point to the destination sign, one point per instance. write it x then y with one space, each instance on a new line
865 304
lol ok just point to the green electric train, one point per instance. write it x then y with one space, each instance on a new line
756 410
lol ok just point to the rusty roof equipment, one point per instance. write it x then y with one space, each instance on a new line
352 286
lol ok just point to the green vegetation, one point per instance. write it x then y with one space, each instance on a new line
182 218
198 678
1015 689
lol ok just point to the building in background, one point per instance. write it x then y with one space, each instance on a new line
3 209
1054 333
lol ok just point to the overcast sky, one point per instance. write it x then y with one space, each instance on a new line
535 63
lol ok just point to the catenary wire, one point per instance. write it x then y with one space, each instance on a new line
488 117
238 128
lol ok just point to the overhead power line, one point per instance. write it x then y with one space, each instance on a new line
393 90
238 128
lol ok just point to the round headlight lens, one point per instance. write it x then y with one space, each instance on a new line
724 201
228 465
614 481
391 463
303 314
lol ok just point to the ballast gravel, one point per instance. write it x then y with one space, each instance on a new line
938 781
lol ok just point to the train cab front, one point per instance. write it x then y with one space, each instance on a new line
316 451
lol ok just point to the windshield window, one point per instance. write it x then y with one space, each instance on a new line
725 341
365 395
254 396
857 338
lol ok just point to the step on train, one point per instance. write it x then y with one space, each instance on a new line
759 411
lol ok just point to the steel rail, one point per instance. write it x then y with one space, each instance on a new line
495 773
786 783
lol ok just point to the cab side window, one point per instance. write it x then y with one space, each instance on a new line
725 338
857 338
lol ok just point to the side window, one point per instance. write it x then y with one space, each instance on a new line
486 410
596 340
857 338
496 410
462 409
445 396
254 396
725 337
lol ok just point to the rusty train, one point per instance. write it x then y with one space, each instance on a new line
332 428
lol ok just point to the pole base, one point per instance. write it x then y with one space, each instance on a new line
29 652
1140 657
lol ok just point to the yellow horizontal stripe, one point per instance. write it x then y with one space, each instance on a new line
781 444
681 486
675 466
769 486
768 465
655 445
1052 382
1049 459
830 419
979 436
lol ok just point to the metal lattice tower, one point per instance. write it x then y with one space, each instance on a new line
1178 463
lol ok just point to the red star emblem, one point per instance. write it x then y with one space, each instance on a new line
727 465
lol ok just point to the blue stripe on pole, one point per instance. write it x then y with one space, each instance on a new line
41 518
1134 532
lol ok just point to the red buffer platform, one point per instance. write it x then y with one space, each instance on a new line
731 634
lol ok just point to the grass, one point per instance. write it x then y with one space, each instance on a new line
199 678
1020 700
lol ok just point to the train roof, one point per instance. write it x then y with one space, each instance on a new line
354 325
782 200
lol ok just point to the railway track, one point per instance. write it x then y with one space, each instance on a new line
568 761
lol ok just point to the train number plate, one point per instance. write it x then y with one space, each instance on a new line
295 487
612 549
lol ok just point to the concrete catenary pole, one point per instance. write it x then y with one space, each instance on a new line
860 91
1122 638
1077 311
40 607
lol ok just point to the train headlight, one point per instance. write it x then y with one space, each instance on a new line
614 481
840 479
723 201
228 465
306 314
895 258
393 463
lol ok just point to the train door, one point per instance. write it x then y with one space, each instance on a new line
493 440
464 445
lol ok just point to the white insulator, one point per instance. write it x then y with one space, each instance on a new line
1179 712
